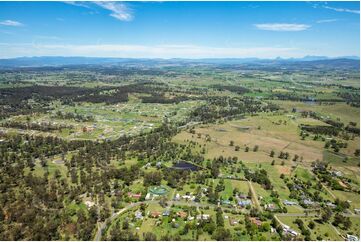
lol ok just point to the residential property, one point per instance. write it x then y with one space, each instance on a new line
289 231
290 203
233 221
148 197
138 215
308 202
134 195
182 214
166 213
226 202
351 237
155 214
244 203
331 205
89 204
242 196
151 196
337 173
256 221
269 207
176 197
203 216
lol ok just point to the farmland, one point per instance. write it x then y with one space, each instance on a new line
180 151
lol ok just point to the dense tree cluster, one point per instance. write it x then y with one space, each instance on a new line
43 126
228 107
259 176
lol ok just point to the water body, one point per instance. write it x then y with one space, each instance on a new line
183 165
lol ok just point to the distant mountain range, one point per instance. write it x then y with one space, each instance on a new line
44 61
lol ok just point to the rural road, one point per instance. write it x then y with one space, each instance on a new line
254 196
102 225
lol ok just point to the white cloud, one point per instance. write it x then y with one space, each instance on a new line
78 4
282 27
47 37
346 10
326 21
118 10
143 51
11 23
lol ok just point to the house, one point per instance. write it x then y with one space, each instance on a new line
269 207
87 129
155 214
190 218
351 237
255 221
337 173
226 202
233 222
308 202
292 232
203 216
151 196
134 195
286 202
89 204
176 197
288 230
182 214
138 215
242 196
297 187
331 205
148 196
166 213
244 203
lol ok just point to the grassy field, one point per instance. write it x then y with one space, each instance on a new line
264 130
110 121
336 111
326 231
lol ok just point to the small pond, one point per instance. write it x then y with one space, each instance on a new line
183 165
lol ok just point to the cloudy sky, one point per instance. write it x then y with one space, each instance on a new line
179 29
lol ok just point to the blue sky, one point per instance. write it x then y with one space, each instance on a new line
179 29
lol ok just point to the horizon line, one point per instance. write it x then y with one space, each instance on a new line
185 58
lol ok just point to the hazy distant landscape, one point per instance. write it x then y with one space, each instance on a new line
223 146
